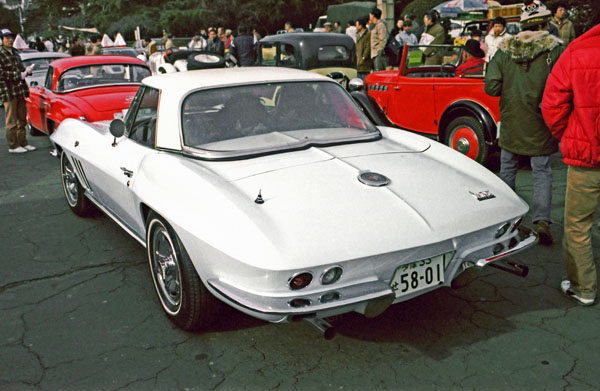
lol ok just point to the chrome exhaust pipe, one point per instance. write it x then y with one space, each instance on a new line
517 269
323 326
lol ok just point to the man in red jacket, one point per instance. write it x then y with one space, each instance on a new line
571 109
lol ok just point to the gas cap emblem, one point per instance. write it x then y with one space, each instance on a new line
373 179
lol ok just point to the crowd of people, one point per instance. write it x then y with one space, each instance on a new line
546 79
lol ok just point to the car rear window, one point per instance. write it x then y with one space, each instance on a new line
333 53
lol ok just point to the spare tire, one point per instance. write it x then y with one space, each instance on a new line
205 60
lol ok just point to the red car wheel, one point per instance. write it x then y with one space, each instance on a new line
465 135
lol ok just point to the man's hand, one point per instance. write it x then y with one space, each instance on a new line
29 69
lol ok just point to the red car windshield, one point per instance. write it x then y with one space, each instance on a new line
100 75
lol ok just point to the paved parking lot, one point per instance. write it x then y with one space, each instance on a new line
78 311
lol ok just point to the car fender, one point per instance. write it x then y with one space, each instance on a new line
473 109
371 109
181 65
166 68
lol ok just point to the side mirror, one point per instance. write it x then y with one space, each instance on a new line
356 84
117 129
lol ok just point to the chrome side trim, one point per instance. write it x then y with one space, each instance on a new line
126 228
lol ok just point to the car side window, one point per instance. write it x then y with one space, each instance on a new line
268 54
49 75
287 56
141 124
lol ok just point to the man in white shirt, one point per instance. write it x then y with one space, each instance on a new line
497 35
351 30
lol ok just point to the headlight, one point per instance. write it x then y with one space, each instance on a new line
502 230
300 280
331 275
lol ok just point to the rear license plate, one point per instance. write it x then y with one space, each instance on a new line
418 275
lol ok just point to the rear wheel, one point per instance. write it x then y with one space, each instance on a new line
183 296
465 135
77 201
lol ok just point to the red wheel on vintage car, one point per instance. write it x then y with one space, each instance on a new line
465 134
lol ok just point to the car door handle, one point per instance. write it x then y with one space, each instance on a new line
126 172
397 88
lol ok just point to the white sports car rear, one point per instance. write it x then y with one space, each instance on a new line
269 189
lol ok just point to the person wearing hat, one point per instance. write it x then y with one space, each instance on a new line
328 27
472 57
517 73
13 91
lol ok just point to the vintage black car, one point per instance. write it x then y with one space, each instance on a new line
329 54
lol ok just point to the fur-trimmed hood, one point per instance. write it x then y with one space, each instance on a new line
527 45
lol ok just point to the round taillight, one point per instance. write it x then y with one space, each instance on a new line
299 302
300 280
330 296
498 248
502 230
331 275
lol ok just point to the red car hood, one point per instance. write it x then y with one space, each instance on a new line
101 103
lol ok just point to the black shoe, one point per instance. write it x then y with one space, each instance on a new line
544 234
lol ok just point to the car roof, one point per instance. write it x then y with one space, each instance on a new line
324 38
65 63
206 78
28 55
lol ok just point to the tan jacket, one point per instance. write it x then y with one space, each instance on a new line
565 29
379 35
363 52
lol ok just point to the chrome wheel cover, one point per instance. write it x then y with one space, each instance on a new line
69 181
164 266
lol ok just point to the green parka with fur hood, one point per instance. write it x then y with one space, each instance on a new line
518 73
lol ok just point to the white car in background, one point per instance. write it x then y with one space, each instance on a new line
41 61
269 190
181 60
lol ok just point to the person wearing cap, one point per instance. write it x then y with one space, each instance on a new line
472 57
517 73
497 35
379 36
328 27
571 109
13 91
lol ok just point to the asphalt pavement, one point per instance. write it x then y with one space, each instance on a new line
78 311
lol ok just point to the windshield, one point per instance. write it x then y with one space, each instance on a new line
101 74
254 119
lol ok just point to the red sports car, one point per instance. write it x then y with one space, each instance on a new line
91 88
430 99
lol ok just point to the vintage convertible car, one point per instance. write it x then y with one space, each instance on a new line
270 190
90 88
430 99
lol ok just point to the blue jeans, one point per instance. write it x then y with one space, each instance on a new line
542 181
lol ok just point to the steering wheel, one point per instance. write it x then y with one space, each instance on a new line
446 71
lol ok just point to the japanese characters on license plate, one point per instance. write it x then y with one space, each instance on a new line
418 275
